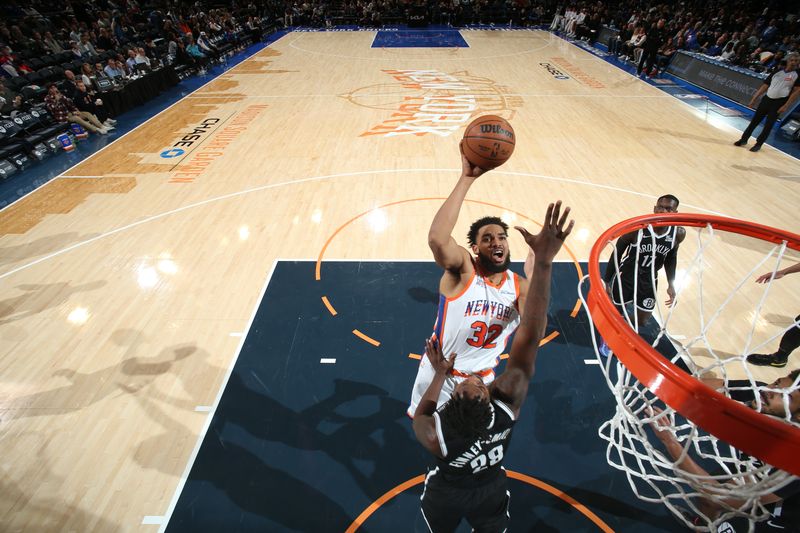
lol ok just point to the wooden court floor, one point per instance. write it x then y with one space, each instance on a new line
115 275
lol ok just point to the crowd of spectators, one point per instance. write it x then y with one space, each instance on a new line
60 65
88 47
749 34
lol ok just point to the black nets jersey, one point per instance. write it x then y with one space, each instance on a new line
645 256
469 462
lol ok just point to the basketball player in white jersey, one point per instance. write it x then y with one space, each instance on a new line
470 434
479 298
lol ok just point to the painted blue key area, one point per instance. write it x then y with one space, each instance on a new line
432 38
297 445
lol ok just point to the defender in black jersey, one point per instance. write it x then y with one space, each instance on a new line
469 434
640 255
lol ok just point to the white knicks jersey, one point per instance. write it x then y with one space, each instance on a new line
476 323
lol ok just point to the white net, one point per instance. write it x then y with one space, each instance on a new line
719 316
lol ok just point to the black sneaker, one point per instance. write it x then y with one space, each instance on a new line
756 147
767 359
740 142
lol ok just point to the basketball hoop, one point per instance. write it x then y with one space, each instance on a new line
748 454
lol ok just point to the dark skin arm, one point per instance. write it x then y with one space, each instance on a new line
424 425
670 264
675 449
763 278
512 385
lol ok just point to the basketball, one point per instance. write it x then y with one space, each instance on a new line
489 141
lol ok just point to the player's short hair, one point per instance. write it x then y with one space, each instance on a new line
476 226
672 198
468 418
793 376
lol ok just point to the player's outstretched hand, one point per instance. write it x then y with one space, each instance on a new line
468 169
764 278
660 425
433 350
547 243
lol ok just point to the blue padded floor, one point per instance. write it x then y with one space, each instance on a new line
435 38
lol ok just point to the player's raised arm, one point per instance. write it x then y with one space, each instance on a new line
763 278
512 385
424 424
447 253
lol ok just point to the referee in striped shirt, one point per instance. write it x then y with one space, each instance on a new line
782 88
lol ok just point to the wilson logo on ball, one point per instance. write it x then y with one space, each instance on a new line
494 128
488 141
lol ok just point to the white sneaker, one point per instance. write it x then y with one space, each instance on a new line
108 127
111 121
102 131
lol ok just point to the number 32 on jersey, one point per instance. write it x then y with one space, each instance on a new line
483 336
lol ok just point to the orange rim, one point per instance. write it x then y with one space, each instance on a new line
769 439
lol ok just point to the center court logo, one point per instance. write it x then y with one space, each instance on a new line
431 102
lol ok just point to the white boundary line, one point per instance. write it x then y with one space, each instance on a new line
213 410
140 125
317 178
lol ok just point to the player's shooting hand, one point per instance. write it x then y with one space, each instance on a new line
468 169
547 243
764 278
433 351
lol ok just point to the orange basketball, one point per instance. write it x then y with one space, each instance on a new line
489 141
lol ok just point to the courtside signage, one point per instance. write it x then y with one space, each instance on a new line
557 74
190 139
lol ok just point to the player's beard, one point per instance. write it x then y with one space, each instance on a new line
490 266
